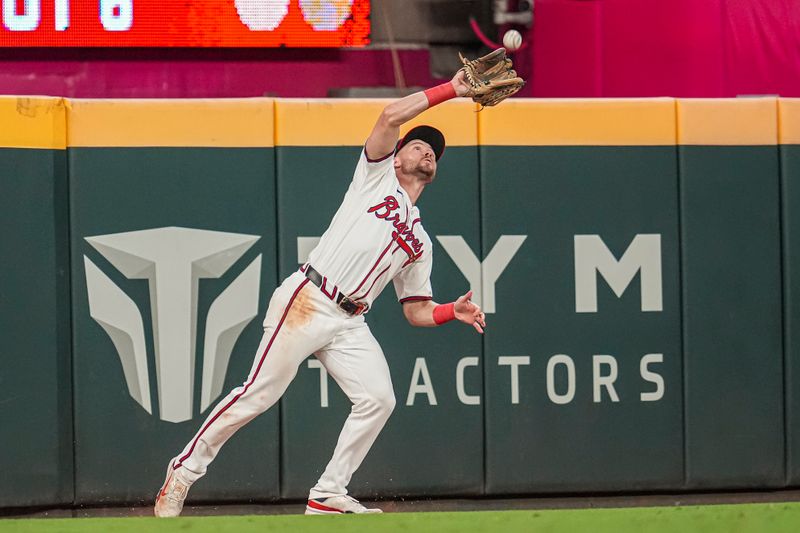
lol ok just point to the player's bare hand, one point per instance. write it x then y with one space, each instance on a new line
459 84
470 313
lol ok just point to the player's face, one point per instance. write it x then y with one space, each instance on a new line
417 158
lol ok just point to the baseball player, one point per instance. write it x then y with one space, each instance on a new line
375 237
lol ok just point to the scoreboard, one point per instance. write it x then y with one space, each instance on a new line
184 23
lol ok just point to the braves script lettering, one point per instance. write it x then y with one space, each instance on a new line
403 235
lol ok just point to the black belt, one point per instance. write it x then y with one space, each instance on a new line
351 307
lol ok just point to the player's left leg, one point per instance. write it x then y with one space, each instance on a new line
299 321
355 360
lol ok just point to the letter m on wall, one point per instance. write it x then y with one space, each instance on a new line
592 256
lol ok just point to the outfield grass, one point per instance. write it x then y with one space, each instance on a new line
756 518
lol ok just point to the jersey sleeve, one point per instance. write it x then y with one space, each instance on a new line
370 172
413 284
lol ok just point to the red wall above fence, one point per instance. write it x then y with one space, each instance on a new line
689 48
167 73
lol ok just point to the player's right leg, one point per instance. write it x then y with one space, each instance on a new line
355 360
295 326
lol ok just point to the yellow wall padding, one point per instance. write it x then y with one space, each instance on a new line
728 121
570 122
244 122
789 120
32 122
54 123
328 122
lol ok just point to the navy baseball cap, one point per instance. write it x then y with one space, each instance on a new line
429 134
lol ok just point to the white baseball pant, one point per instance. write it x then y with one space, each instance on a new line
302 320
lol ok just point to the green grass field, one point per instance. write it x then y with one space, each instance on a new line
756 518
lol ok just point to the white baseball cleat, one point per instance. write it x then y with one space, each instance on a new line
338 505
169 500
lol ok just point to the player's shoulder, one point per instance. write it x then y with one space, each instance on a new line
370 164
375 189
375 159
373 170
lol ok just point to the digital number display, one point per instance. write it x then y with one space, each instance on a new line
188 23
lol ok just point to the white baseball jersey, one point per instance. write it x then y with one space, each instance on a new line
376 236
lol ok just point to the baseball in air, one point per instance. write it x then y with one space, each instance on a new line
512 40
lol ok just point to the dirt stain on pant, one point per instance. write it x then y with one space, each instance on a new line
301 311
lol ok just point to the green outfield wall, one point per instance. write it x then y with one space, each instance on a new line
170 231
592 207
36 380
789 136
731 266
636 259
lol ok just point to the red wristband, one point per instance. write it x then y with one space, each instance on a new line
444 313
440 93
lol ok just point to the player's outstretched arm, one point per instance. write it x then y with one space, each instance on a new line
429 313
384 135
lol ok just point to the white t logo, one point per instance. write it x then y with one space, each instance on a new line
173 260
